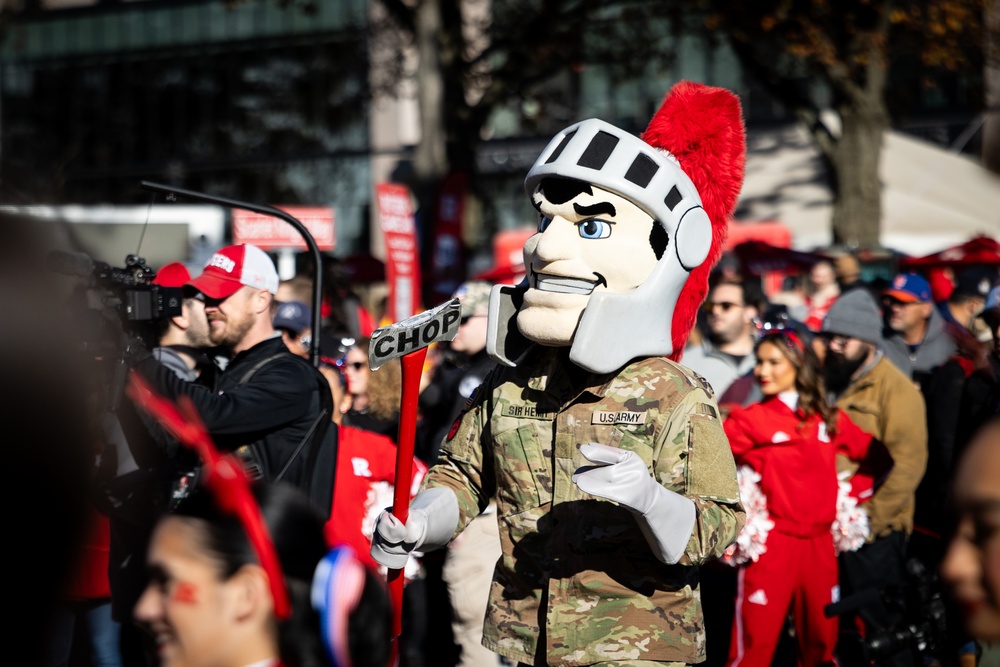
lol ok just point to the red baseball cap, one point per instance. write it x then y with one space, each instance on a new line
234 266
174 274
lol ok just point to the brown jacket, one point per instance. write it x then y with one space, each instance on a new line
887 404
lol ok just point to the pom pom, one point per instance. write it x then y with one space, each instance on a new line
851 526
751 543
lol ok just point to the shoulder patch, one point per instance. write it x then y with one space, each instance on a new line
702 382
454 427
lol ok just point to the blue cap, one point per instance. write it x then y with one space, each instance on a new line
909 288
293 315
992 302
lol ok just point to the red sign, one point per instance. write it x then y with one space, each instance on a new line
395 219
268 232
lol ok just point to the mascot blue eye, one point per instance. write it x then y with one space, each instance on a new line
543 222
594 229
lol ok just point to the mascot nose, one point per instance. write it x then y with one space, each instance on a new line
553 244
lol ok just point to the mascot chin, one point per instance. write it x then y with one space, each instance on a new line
590 437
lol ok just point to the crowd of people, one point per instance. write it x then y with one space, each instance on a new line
811 477
914 371
888 391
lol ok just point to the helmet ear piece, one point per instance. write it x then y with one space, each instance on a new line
694 238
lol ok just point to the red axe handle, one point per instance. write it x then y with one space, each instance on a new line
412 367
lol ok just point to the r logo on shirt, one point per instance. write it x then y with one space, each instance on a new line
361 467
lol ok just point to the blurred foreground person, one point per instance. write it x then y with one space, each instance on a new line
210 602
971 566
49 406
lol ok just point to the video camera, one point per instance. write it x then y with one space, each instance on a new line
129 290
924 628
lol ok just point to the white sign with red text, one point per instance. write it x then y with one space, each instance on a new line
268 232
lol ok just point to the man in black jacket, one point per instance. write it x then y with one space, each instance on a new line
268 405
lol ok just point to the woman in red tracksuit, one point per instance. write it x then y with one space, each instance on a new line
791 439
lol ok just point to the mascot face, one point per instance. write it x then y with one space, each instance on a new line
589 241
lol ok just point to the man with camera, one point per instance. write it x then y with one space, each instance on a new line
145 458
269 406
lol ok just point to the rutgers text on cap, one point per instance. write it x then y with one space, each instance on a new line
909 288
233 267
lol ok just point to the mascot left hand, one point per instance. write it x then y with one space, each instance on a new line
666 518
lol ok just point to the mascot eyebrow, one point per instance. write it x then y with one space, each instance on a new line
595 209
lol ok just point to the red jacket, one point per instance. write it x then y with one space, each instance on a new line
366 471
796 460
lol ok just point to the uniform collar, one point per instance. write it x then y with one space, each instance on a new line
551 372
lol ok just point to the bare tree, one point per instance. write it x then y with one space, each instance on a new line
822 56
475 55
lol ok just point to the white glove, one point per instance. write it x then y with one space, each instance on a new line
665 518
432 520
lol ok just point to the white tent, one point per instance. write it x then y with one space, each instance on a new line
931 198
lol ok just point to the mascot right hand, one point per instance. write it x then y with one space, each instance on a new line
431 523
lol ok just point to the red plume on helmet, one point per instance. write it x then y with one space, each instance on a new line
702 126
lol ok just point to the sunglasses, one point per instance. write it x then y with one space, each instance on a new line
356 365
724 306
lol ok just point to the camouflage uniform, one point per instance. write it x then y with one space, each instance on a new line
573 562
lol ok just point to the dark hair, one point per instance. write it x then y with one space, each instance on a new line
296 528
808 376
753 294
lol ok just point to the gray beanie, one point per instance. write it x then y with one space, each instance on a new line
855 314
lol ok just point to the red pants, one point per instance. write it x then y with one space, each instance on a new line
796 572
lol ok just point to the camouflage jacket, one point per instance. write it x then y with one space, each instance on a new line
577 579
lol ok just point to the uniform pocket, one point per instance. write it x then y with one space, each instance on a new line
524 469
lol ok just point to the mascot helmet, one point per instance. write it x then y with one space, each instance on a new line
685 172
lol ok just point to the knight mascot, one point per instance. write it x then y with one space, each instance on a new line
612 475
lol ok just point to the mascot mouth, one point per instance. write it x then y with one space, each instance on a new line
563 285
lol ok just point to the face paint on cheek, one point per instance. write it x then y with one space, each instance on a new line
185 593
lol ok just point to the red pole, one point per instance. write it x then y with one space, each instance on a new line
412 366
